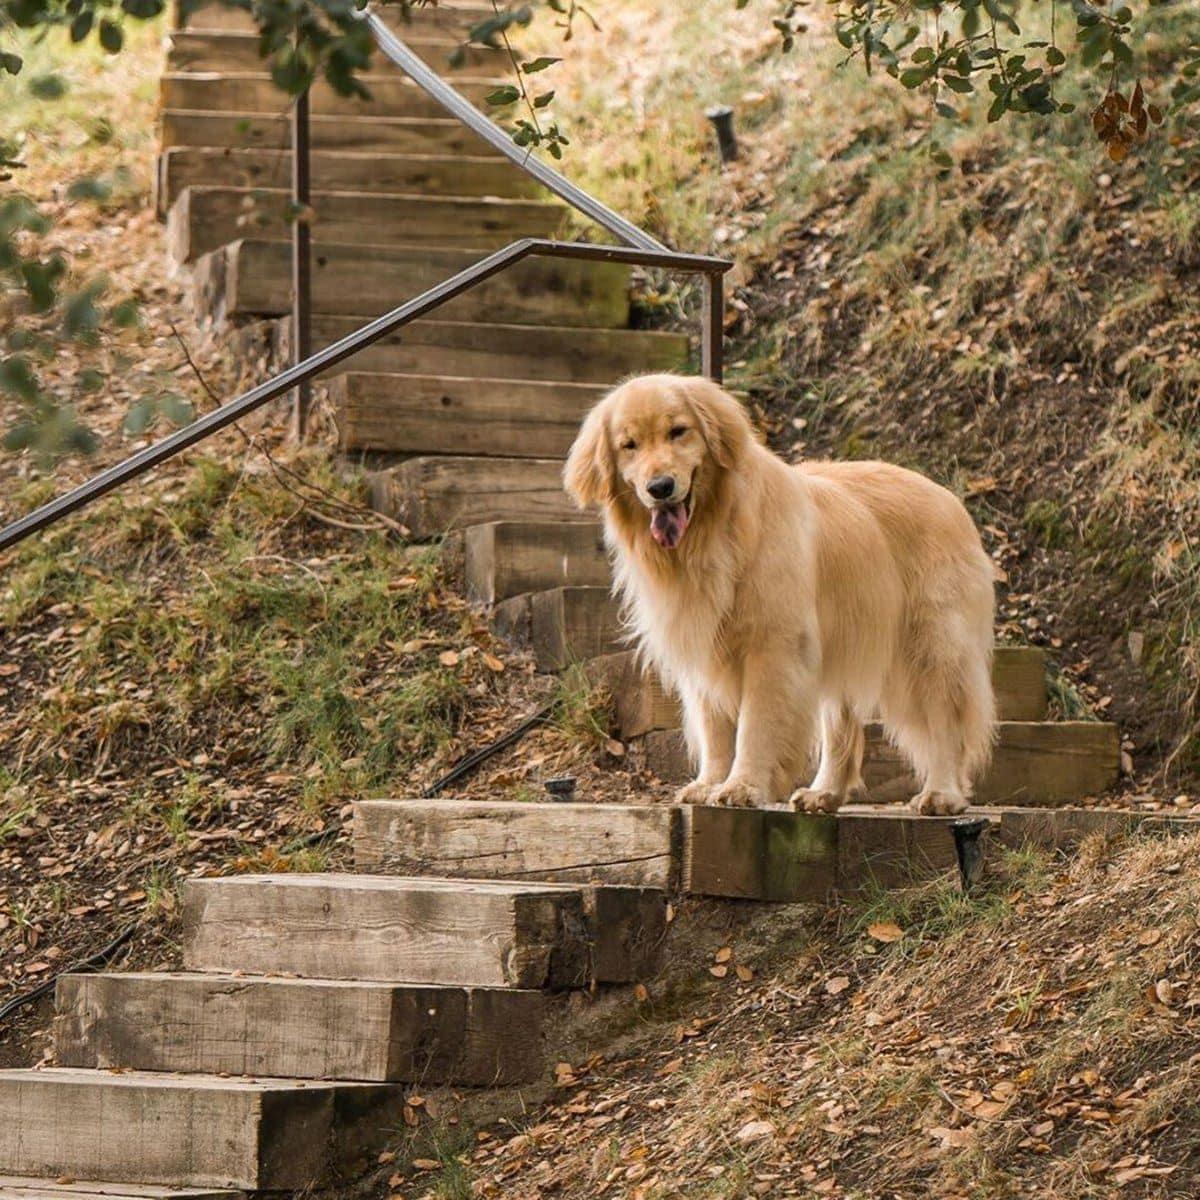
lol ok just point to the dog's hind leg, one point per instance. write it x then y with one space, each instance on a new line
710 738
839 772
945 727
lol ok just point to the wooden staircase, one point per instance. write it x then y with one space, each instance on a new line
281 1057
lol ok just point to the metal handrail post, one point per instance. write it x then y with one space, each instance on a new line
712 325
301 259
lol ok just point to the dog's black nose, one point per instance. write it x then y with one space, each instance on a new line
661 486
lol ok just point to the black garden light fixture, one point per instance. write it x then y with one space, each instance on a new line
969 845
561 787
722 121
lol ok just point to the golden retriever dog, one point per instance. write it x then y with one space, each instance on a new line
788 605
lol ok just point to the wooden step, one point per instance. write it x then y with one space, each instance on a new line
420 414
1034 763
203 218
562 626
425 174
252 92
565 843
299 1028
272 130
504 351
480 934
641 705
500 559
231 50
195 1130
253 278
431 496
27 1187
451 19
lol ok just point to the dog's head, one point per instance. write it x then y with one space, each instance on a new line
660 442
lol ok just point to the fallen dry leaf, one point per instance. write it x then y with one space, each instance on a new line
885 931
754 1131
837 985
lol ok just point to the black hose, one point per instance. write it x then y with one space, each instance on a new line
99 959
466 765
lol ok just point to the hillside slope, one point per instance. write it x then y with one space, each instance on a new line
1024 325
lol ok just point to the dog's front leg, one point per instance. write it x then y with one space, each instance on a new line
775 725
710 738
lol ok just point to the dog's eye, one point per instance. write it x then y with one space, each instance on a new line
677 431
629 445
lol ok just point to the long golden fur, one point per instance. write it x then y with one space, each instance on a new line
788 605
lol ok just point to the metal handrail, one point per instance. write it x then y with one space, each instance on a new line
465 112
220 418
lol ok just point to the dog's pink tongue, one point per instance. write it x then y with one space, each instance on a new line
668 525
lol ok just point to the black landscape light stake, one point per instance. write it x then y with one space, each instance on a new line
722 121
561 788
969 846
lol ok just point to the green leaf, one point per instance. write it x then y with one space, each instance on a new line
124 314
89 188
956 83
539 64
176 409
140 417
81 317
542 100
1055 57
81 26
12 63
17 377
41 281
503 95
90 380
111 37
21 436
48 87
144 10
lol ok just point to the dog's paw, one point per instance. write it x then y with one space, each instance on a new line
938 804
734 794
810 800
696 792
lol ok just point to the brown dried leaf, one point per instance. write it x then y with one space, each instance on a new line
885 931
723 955
837 985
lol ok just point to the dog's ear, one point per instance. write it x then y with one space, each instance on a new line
589 474
723 421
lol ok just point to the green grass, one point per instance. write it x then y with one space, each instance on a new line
201 629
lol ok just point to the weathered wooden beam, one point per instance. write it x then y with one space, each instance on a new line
420 414
253 277
562 626
230 50
250 92
337 926
759 854
298 1028
27 1187
334 131
433 495
205 217
501 559
194 1130
634 845
489 350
